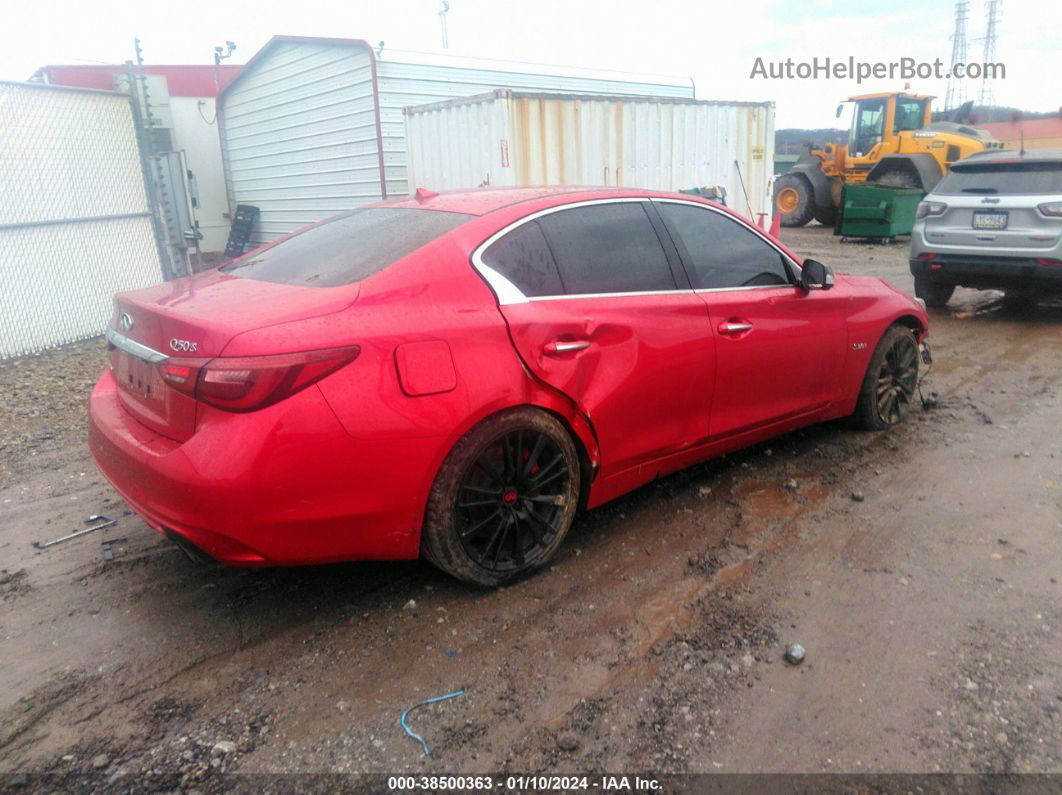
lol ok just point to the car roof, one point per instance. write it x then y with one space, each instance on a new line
1006 157
480 201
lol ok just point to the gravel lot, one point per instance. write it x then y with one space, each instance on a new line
919 568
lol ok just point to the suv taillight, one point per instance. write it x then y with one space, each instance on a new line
249 383
926 209
1053 209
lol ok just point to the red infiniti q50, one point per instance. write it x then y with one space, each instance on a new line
455 375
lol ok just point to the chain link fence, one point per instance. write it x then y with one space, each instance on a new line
75 222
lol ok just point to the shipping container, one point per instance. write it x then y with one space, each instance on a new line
312 127
507 138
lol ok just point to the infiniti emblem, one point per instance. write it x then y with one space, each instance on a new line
126 321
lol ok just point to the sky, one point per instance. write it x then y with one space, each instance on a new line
715 44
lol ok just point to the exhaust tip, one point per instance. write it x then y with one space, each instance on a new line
191 551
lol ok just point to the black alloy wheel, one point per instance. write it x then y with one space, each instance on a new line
511 502
897 380
891 381
504 499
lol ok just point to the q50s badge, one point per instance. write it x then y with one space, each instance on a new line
183 346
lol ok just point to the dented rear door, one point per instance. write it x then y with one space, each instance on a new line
594 310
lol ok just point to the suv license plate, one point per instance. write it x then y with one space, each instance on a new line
990 220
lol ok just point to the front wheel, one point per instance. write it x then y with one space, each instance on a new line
793 199
890 383
504 499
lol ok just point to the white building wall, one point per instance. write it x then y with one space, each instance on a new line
298 126
299 135
198 137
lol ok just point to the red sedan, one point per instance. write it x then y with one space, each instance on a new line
455 375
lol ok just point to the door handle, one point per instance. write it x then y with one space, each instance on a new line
734 327
558 347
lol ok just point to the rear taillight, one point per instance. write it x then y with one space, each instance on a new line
182 374
249 383
927 209
1052 263
1053 209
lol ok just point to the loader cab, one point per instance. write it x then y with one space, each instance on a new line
878 120
868 126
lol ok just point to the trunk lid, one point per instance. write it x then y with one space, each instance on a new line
195 318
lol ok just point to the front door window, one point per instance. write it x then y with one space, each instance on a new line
868 124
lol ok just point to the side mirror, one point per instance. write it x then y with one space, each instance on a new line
816 276
840 110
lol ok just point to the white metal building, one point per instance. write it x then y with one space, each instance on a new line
509 137
312 127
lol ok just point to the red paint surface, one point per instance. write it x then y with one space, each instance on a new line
185 80
341 469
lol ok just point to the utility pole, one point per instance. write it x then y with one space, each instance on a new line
957 88
444 8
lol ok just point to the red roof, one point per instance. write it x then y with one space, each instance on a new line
183 80
1032 129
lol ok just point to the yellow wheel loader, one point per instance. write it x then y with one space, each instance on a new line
893 142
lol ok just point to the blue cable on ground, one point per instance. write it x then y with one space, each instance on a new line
412 733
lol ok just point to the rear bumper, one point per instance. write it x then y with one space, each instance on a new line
989 272
285 485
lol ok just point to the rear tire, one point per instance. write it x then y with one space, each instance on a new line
891 381
826 216
793 199
504 499
935 295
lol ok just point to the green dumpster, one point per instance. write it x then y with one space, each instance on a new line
874 211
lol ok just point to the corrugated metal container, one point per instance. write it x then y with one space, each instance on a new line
312 127
517 138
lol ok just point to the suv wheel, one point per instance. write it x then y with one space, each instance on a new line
935 295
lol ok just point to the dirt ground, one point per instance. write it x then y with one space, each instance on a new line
919 568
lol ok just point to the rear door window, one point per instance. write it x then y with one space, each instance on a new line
348 248
523 257
1013 178
720 252
607 248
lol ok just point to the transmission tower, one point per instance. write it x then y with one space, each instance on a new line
992 8
957 88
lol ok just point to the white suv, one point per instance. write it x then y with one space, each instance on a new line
993 222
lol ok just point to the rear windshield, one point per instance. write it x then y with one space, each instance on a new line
347 249
1012 178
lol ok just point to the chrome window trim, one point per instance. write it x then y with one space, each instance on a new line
608 295
508 293
750 226
699 290
134 348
